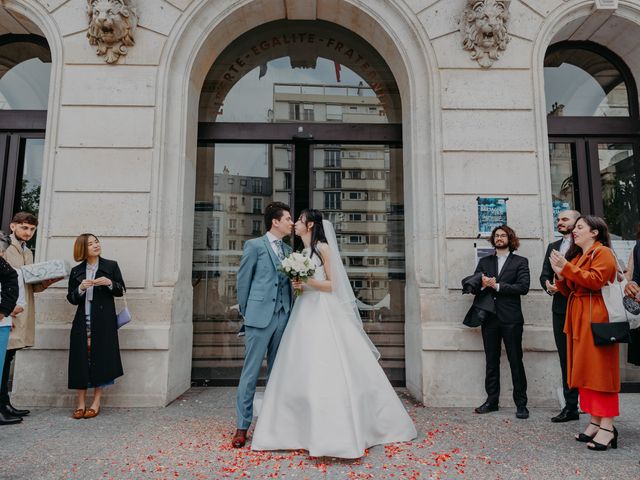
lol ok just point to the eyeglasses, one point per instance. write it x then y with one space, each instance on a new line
501 235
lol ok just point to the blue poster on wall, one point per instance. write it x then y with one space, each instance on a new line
558 206
492 212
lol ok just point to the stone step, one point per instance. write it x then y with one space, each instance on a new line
227 326
232 352
210 326
203 338
391 363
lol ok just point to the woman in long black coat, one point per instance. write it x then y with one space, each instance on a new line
94 352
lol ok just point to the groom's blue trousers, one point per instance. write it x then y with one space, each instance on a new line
257 343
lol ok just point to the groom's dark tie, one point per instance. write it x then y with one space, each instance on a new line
280 248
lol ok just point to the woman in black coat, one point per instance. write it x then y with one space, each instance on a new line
94 352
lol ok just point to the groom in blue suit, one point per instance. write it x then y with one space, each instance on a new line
265 300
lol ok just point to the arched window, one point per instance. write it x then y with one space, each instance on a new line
25 70
584 80
304 112
594 135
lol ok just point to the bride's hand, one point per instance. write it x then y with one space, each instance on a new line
297 284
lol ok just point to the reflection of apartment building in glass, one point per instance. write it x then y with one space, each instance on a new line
221 228
350 182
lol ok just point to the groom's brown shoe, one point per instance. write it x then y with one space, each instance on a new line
239 439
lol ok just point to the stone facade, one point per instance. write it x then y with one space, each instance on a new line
120 161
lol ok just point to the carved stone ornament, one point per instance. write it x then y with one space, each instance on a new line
112 24
485 29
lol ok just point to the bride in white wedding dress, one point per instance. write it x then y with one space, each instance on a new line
327 393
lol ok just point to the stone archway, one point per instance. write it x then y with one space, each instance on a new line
208 28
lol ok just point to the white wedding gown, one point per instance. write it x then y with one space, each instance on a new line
327 393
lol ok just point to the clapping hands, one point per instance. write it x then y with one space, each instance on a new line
551 287
488 282
557 261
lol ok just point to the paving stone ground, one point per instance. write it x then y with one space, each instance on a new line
190 439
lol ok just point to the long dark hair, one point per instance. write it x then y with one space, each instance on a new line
594 223
317 232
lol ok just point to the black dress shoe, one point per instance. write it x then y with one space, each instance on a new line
566 415
6 419
16 412
486 407
522 412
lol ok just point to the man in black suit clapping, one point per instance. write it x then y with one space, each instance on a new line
505 276
566 222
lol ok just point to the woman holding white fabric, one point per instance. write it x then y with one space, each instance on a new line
327 393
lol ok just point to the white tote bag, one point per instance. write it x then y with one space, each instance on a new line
614 299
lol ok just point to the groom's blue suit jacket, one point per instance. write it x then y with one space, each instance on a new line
261 288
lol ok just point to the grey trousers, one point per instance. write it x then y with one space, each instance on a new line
258 342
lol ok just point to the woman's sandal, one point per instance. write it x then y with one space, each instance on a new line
78 413
584 438
91 413
601 447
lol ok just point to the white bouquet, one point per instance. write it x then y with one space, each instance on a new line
297 267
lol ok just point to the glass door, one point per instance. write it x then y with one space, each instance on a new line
601 176
359 188
565 181
21 156
616 185
597 176
234 183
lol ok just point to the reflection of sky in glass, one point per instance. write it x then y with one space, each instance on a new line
247 159
33 155
26 86
250 100
577 90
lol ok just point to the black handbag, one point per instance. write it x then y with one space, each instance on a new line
610 332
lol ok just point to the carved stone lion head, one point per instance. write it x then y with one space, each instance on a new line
485 29
111 27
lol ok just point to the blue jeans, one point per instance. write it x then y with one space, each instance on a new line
4 341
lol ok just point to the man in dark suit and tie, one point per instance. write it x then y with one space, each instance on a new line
566 222
505 276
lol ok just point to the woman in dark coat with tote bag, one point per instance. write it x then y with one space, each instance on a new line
94 352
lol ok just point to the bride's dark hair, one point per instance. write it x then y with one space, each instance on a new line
317 233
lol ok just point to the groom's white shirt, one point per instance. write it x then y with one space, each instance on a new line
272 241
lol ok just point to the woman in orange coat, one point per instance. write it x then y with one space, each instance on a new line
594 370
